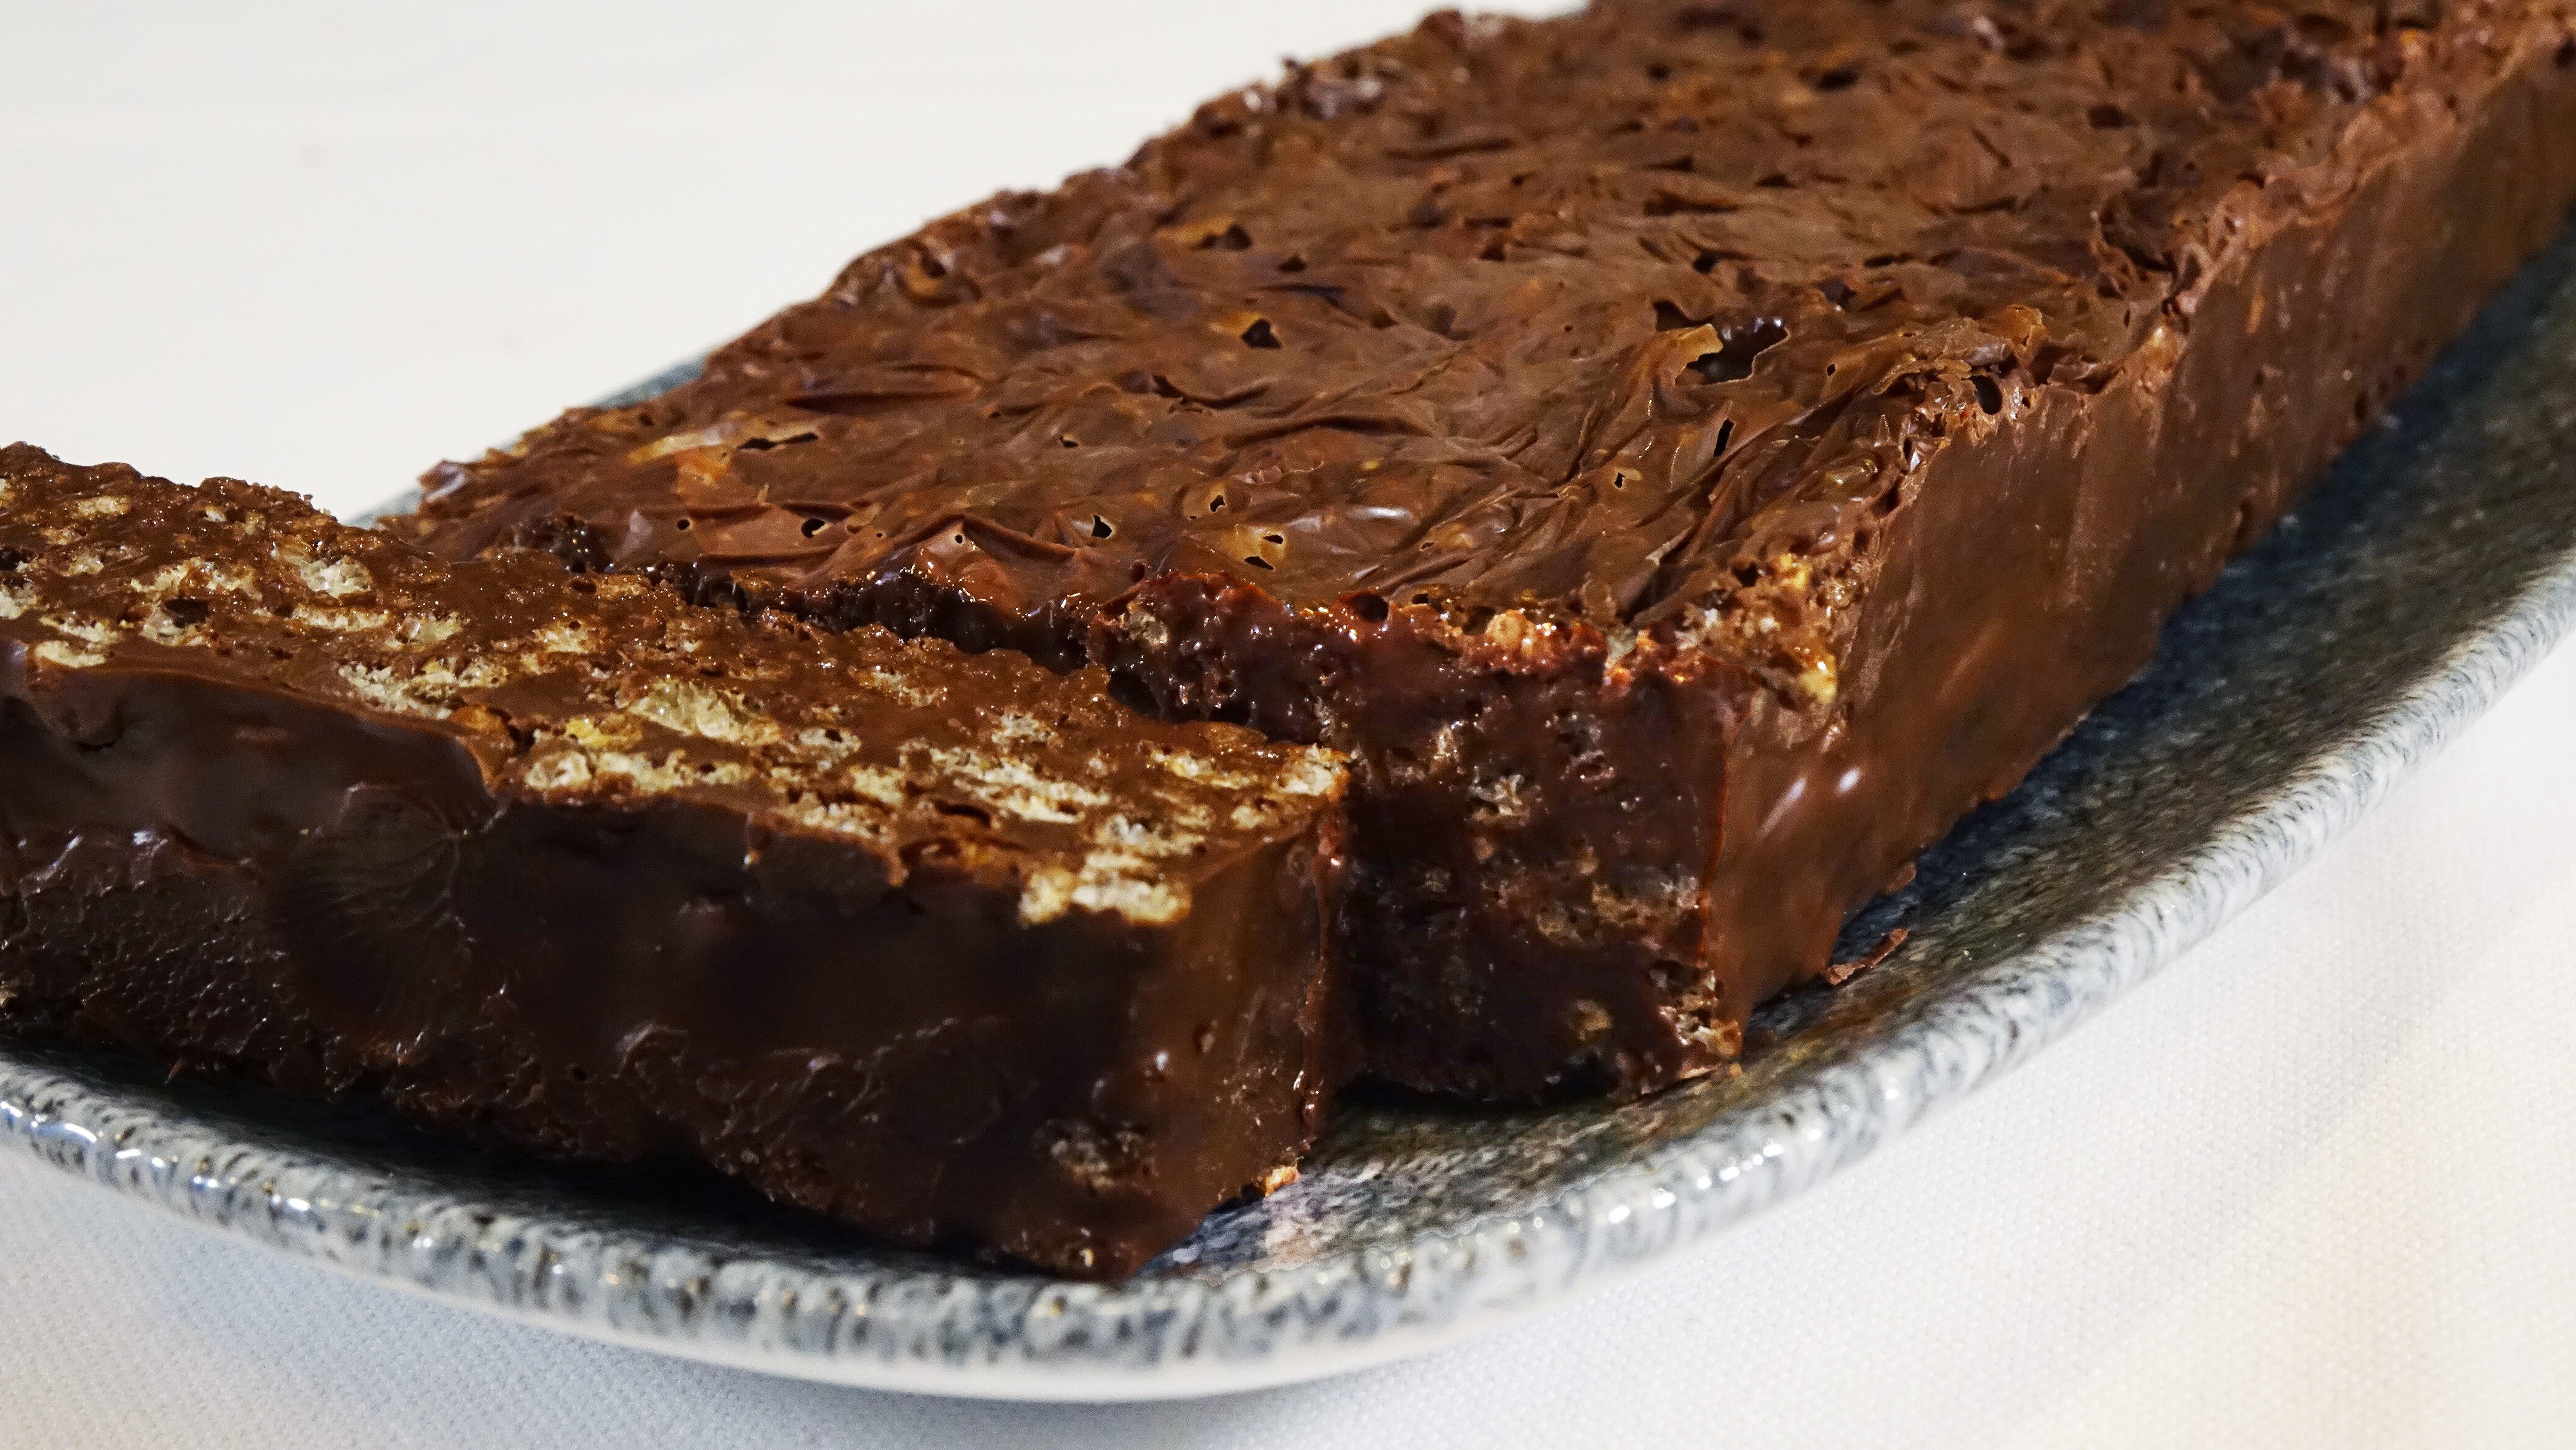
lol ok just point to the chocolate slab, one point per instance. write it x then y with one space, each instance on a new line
1687 453
948 947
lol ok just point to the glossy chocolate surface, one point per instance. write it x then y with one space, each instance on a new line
1687 453
946 946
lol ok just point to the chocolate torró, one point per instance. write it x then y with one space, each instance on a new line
1686 453
946 946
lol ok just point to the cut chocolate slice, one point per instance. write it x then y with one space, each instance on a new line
1686 453
945 946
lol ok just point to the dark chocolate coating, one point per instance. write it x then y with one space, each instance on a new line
1687 453
948 947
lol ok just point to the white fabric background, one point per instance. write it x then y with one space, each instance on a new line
2310 1187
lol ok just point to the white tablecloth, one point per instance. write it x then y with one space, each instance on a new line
2312 1186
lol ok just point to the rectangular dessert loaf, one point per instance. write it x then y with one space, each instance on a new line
1686 453
948 947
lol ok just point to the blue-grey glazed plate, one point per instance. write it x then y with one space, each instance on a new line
2434 567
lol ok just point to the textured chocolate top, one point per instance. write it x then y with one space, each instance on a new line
1628 317
610 690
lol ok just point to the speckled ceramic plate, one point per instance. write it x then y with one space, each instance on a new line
2434 567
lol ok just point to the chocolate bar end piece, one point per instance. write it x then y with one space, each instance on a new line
947 947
